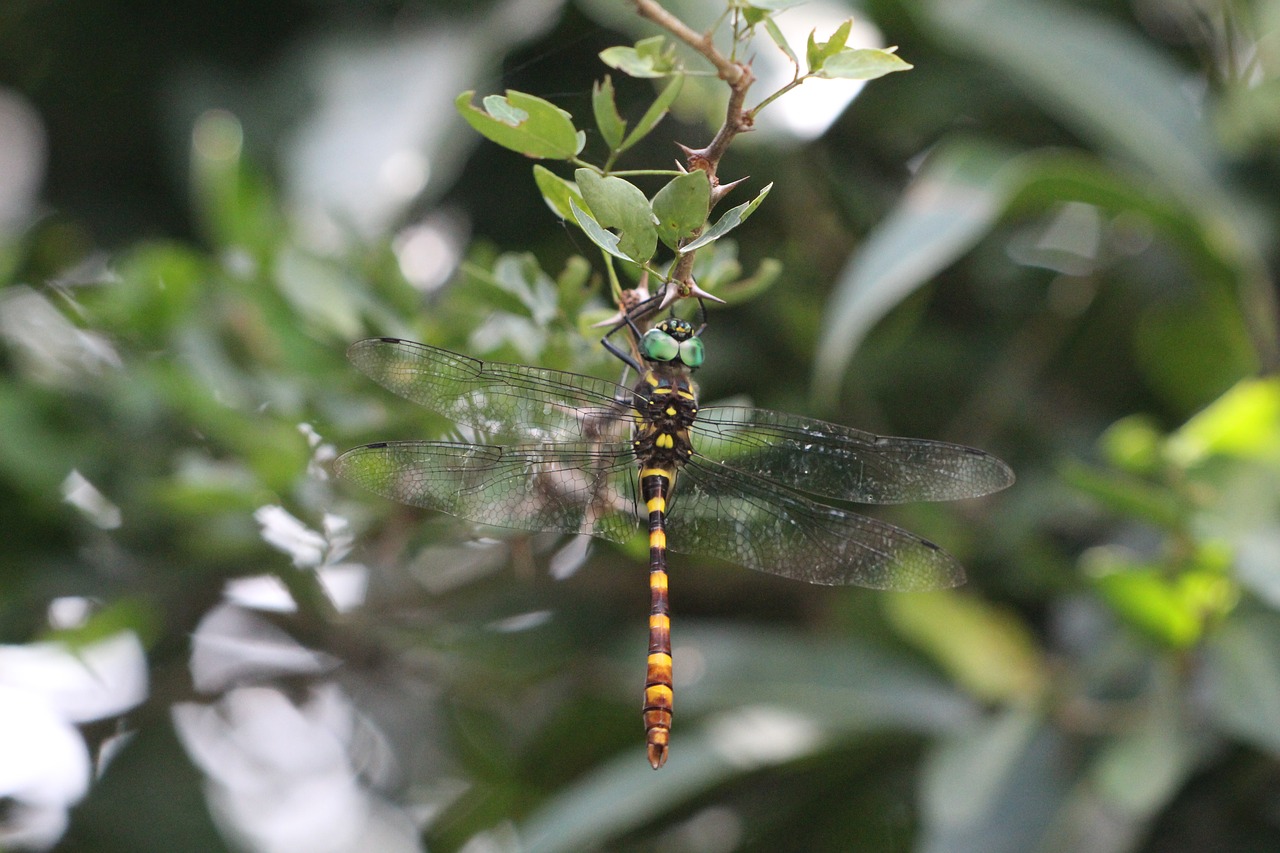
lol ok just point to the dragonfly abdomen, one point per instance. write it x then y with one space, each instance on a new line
655 486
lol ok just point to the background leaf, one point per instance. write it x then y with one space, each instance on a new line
990 787
657 110
954 199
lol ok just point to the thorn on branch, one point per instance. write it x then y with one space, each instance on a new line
696 158
720 190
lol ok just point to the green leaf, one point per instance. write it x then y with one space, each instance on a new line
996 786
969 769
1243 423
647 59
1172 608
745 289
619 204
573 284
1101 78
838 683
1133 444
1192 351
774 5
731 220
955 198
605 108
1127 495
1248 114
523 277
506 286
606 240
1242 675
818 52
135 615
654 114
988 650
771 27
1138 771
233 201
556 191
718 270
1111 86
1258 564
525 124
655 49
681 207
861 64
319 291
501 109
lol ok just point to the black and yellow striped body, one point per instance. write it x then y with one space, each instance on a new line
666 406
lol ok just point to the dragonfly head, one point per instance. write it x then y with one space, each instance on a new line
673 340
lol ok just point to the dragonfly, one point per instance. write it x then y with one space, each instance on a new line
561 452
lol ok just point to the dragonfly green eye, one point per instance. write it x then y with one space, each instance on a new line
692 352
659 346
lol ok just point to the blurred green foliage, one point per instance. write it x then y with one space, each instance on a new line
1076 273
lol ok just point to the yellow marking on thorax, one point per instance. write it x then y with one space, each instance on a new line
665 441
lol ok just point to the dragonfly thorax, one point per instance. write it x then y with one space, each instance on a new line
666 406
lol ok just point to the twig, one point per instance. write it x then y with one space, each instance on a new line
728 70
739 77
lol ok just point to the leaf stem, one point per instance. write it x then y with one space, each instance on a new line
754 111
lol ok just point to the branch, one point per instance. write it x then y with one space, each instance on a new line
739 78
728 70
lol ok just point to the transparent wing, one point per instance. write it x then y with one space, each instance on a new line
839 462
508 401
719 512
574 487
